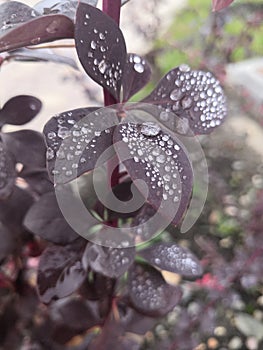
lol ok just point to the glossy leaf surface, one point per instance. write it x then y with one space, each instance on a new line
7 172
111 262
60 272
37 31
101 47
196 97
149 293
160 160
173 258
75 140
20 110
45 219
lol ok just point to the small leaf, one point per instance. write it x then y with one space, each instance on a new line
20 110
161 162
110 262
14 13
173 258
101 47
196 97
149 292
75 140
136 75
37 31
45 219
7 172
27 146
220 4
60 272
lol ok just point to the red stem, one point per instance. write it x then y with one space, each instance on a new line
112 8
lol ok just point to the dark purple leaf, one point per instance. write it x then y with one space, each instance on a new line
37 179
97 288
161 162
173 258
27 146
65 7
8 242
20 110
196 97
110 262
37 31
45 219
14 13
60 272
75 140
101 47
7 172
137 74
220 4
149 293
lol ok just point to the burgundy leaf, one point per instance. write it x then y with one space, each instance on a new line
220 4
14 13
8 242
110 262
137 74
196 97
75 140
45 219
101 47
37 179
160 160
173 258
37 31
149 293
7 172
20 110
64 7
27 146
60 272
97 288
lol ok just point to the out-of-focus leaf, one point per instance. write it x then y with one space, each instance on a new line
37 179
27 146
64 7
20 110
46 220
60 272
37 31
110 262
97 288
14 13
160 160
75 140
249 326
101 47
220 4
173 258
149 293
196 97
7 172
137 74
8 242
37 55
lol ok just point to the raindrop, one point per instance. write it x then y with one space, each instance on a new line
176 95
63 132
93 45
161 158
138 67
164 116
102 66
102 36
51 135
184 68
150 129
187 102
50 153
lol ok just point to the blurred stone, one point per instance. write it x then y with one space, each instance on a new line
252 343
235 343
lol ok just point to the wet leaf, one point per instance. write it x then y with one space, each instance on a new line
196 97
40 30
7 172
100 47
136 75
149 292
110 262
60 272
20 110
45 219
173 258
65 7
75 140
14 13
161 162
220 4
27 146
